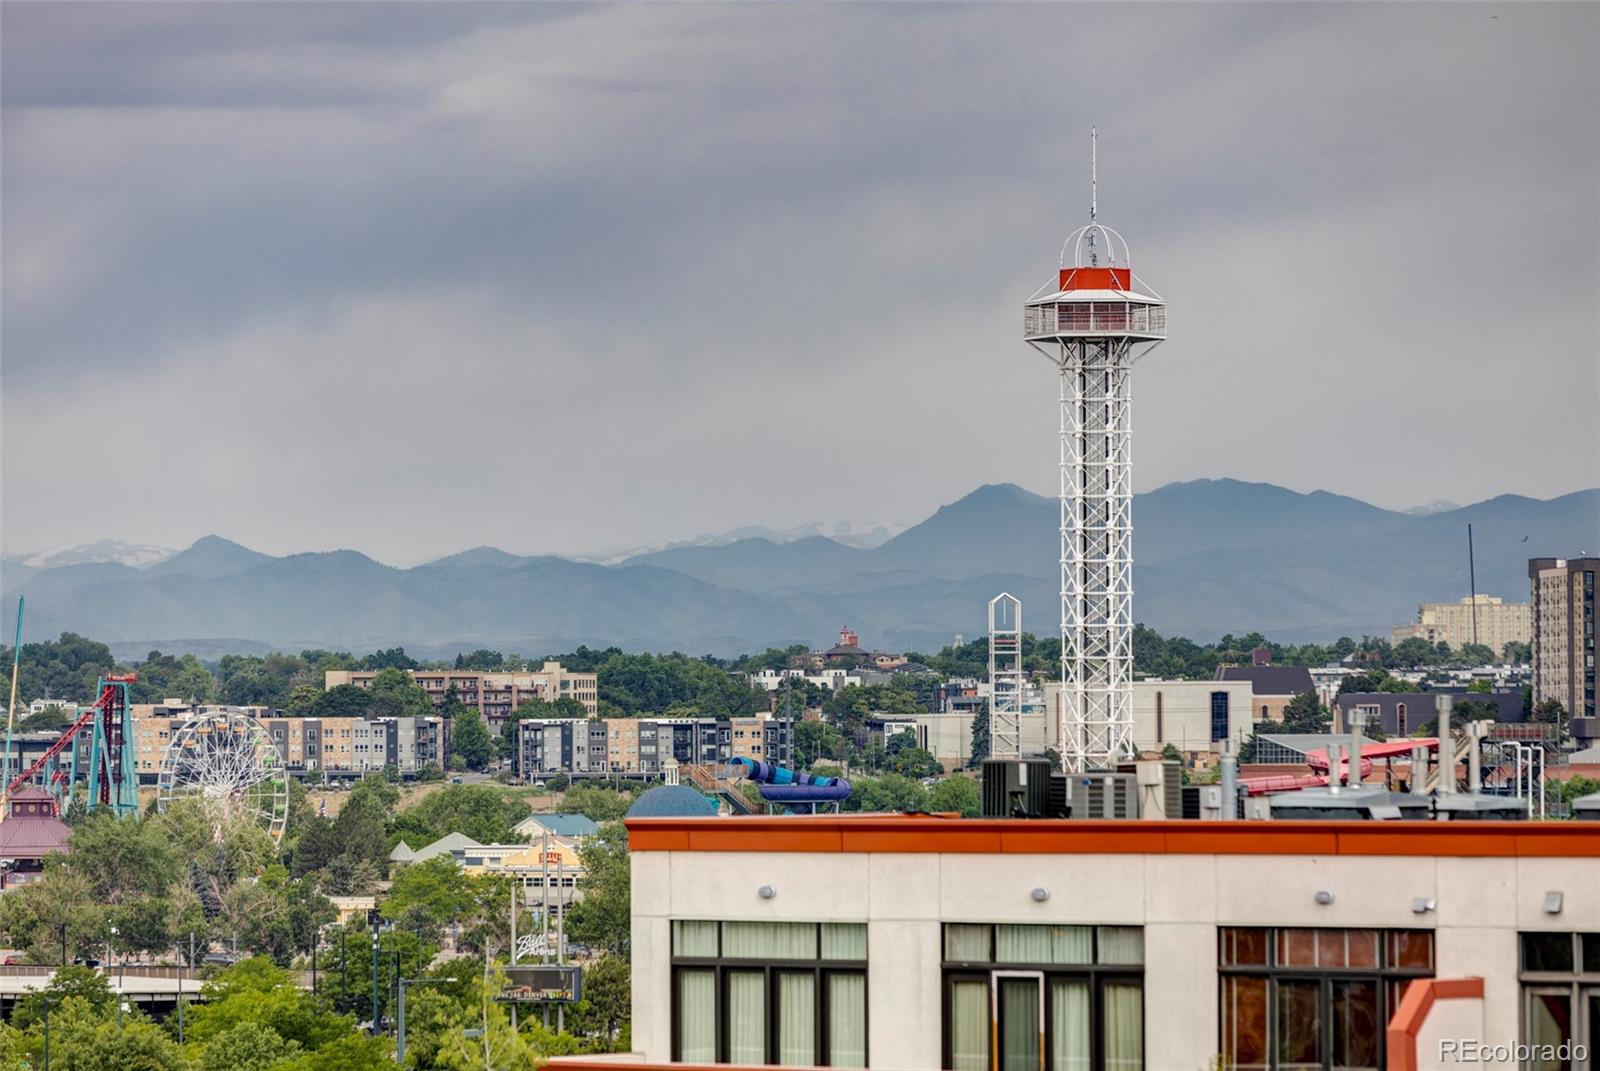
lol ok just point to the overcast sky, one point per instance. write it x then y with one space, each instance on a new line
558 278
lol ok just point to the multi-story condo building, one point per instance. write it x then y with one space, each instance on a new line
155 724
1482 619
1563 632
357 746
597 747
493 694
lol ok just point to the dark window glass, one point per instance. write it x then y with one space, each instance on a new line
1244 1023
1297 948
1299 1026
1356 1025
1411 948
1591 953
1219 715
1547 952
1244 947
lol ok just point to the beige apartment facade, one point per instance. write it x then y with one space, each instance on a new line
1497 623
1563 594
493 694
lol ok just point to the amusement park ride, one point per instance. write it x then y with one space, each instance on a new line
109 778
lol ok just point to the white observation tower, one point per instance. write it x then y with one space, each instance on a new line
1094 319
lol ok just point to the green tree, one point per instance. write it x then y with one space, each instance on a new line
602 918
1548 711
593 802
246 1046
343 701
425 896
815 741
890 792
607 997
50 719
1306 714
395 695
484 813
980 736
958 794
1516 653
470 740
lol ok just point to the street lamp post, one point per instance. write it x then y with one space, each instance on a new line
400 1014
47 1032
111 949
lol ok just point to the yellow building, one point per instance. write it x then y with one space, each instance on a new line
494 694
1498 623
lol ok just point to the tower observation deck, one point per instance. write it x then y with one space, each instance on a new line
1094 320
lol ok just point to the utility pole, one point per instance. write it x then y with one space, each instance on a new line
374 981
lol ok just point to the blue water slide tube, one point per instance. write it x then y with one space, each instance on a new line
783 785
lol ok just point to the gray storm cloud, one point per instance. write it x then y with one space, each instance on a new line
411 278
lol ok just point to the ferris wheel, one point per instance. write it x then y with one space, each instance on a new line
226 761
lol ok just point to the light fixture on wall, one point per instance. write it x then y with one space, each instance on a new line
1422 905
1552 903
1324 897
1040 894
767 892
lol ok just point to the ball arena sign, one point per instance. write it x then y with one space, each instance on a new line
545 983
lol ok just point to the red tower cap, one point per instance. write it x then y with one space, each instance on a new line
1096 278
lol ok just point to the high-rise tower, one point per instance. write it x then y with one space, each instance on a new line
1094 320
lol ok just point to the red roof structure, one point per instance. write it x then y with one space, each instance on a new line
31 829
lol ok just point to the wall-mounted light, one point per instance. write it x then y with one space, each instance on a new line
1422 905
1324 897
1552 903
1040 894
767 892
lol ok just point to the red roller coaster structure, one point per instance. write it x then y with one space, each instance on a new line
111 779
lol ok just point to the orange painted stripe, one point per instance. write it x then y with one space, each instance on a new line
899 834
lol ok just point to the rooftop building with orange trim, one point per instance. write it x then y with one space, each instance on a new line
926 942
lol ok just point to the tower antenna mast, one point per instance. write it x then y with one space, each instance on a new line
1092 323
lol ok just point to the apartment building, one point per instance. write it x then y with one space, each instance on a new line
640 746
357 746
155 724
1493 622
915 942
1563 632
493 694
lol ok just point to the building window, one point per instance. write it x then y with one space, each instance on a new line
1219 716
1399 719
1561 998
1052 998
1303 999
792 994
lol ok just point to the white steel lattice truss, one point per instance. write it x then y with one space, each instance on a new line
1093 330
226 761
1005 676
1096 552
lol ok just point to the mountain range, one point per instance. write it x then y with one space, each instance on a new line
1211 556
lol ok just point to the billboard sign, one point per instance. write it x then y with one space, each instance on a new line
542 983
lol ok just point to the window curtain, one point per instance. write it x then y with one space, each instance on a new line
966 944
1121 944
1019 1024
747 1017
847 1019
697 1015
690 938
969 1025
1069 1026
1122 1009
797 1019
844 940
1042 944
1549 1023
769 940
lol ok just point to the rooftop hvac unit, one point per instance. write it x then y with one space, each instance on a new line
1103 794
1165 778
1016 788
1191 800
